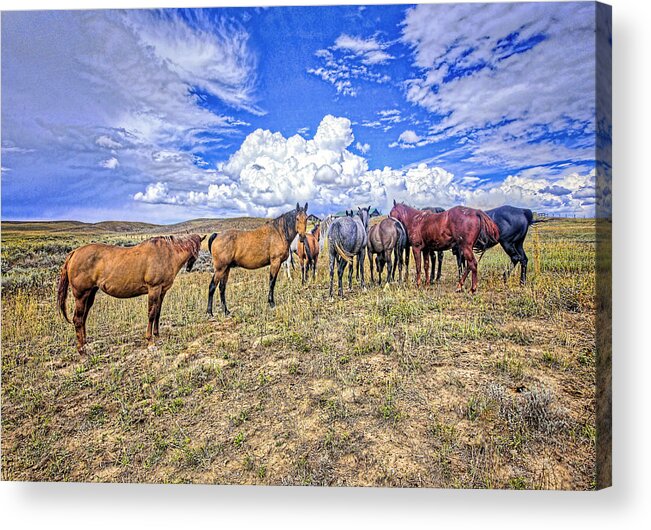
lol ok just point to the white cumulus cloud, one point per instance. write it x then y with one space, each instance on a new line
270 173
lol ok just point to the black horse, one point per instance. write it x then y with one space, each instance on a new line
513 224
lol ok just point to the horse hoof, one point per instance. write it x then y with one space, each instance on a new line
152 347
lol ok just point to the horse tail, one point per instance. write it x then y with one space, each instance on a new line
489 233
62 287
343 254
210 240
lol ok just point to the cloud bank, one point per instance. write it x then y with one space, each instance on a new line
270 173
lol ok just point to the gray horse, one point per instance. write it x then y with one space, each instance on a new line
325 228
347 238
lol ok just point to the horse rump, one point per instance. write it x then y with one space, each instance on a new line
210 240
489 233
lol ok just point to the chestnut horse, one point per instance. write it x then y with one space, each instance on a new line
307 249
124 272
254 249
460 227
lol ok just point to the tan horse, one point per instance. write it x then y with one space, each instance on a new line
308 252
124 272
254 249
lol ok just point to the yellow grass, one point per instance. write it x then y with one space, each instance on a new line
390 386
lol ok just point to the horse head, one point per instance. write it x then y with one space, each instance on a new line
195 240
364 214
301 221
316 231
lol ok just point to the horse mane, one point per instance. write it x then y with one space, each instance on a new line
286 224
191 243
406 209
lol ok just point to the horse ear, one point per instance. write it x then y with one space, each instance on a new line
297 207
305 207
369 208
203 237
394 202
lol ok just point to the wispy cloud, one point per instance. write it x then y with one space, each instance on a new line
368 51
349 59
510 78
127 82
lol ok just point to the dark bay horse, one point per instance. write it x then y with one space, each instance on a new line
384 239
253 249
459 227
124 272
432 255
308 252
347 238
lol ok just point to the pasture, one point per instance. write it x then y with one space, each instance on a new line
391 386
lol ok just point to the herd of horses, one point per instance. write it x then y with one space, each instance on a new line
151 266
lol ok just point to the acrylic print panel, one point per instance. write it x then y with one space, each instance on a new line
232 242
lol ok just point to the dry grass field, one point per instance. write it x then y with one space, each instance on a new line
391 386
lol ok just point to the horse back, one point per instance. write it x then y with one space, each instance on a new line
119 271
249 249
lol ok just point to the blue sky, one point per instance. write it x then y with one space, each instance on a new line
167 115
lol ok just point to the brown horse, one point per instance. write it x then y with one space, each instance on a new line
124 272
253 249
307 249
460 227
385 238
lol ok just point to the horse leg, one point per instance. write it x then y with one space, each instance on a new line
524 261
417 258
432 273
273 275
341 265
387 258
361 258
426 255
512 253
370 262
157 319
79 320
332 271
211 293
314 262
471 266
153 299
222 291
438 272
350 273
407 261
398 261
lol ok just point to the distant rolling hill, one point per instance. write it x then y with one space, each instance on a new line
201 226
